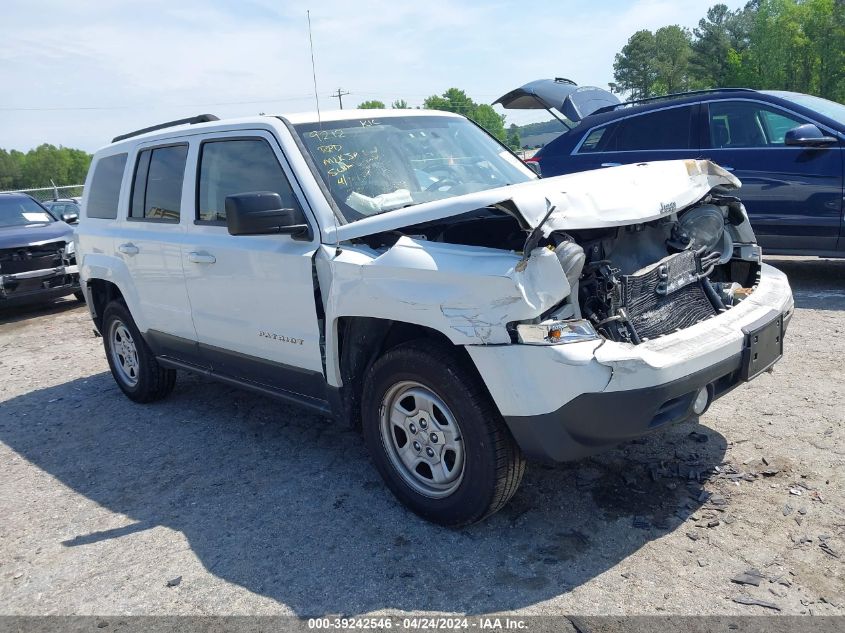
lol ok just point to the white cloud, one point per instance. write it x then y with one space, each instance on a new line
138 63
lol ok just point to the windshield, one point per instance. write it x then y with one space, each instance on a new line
22 211
372 166
830 109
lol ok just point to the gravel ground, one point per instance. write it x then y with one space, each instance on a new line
262 508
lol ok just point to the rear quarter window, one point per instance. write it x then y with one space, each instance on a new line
668 129
104 191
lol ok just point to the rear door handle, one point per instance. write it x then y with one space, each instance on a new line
128 249
201 258
611 164
726 168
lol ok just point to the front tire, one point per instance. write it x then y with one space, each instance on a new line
132 363
435 436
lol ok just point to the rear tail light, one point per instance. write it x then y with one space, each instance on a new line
533 165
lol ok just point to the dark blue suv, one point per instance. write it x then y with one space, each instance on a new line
785 147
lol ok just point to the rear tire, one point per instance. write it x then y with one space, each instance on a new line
131 361
436 438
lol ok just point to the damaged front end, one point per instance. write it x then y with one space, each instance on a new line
639 282
626 254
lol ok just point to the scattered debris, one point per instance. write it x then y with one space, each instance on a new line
795 491
174 582
755 602
729 518
713 523
717 500
694 535
750 577
787 510
702 562
777 591
827 549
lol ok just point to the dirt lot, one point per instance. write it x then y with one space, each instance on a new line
263 509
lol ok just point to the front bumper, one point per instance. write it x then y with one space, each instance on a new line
568 401
38 285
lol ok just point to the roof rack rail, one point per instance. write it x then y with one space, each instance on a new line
200 118
672 95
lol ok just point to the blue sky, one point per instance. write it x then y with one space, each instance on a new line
78 73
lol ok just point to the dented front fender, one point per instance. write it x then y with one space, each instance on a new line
467 293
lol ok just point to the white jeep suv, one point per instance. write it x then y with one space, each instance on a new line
405 273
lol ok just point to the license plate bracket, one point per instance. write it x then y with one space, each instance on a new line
763 345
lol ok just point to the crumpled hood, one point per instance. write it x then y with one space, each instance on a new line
615 196
34 234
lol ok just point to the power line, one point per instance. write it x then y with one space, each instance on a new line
339 96
161 105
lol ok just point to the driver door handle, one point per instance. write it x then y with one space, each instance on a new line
128 249
611 164
201 258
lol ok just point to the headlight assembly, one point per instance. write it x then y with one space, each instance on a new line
705 226
556 332
70 249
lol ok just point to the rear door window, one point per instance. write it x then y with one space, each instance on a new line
105 187
668 129
157 186
235 166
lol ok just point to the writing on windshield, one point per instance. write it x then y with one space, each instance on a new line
376 165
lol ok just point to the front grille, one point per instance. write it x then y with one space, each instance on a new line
26 258
665 297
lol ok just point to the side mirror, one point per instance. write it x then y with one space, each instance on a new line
807 135
70 218
261 213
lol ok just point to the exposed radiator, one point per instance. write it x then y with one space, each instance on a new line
664 297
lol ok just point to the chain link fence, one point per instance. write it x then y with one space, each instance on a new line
43 194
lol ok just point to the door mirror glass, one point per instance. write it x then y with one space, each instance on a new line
807 135
262 213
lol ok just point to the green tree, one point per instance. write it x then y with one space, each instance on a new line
769 44
456 100
824 25
635 68
672 59
721 31
399 104
490 120
36 168
371 105
513 137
